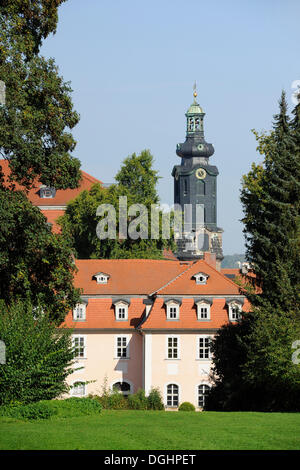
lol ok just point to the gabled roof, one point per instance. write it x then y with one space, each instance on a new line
127 276
62 196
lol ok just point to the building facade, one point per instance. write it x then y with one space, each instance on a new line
148 324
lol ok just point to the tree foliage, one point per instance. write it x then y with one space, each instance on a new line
39 356
35 123
30 21
35 263
37 117
81 220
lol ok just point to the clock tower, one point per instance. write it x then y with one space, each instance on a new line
195 191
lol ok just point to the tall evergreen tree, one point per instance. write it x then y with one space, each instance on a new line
270 197
262 375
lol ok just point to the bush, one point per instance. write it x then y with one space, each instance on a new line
38 355
71 407
138 401
155 400
39 410
186 406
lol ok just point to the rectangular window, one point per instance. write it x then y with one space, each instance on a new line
121 313
79 346
204 347
173 312
122 346
172 347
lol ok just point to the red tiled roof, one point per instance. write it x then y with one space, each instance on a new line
157 318
127 276
52 216
100 313
217 283
62 196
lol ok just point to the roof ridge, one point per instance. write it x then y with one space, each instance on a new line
90 177
174 279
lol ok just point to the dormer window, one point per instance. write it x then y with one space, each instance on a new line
101 278
121 310
79 312
203 309
201 278
234 309
47 192
172 309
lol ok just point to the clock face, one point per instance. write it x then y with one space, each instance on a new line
200 173
200 147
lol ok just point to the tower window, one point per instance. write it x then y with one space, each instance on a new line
185 189
191 124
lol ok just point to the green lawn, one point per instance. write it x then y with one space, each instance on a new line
155 430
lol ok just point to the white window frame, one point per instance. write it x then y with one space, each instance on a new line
122 346
201 278
78 337
203 384
204 347
234 316
118 314
173 347
200 305
83 385
101 278
76 312
172 308
172 395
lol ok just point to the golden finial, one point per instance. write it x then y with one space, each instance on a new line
195 92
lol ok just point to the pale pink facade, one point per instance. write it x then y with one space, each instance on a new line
147 324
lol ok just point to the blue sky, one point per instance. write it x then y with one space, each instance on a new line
132 65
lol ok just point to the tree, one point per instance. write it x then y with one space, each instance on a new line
35 264
271 200
30 22
253 359
36 117
39 356
81 220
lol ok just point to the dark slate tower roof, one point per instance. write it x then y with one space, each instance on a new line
195 187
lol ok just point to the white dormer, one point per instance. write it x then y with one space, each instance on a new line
201 278
47 192
203 309
79 312
121 310
101 278
173 306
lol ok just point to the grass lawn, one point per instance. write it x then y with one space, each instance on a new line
155 430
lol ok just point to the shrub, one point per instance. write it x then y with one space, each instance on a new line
39 410
38 355
116 401
186 406
71 407
138 401
155 400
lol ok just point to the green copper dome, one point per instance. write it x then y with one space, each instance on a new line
195 108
